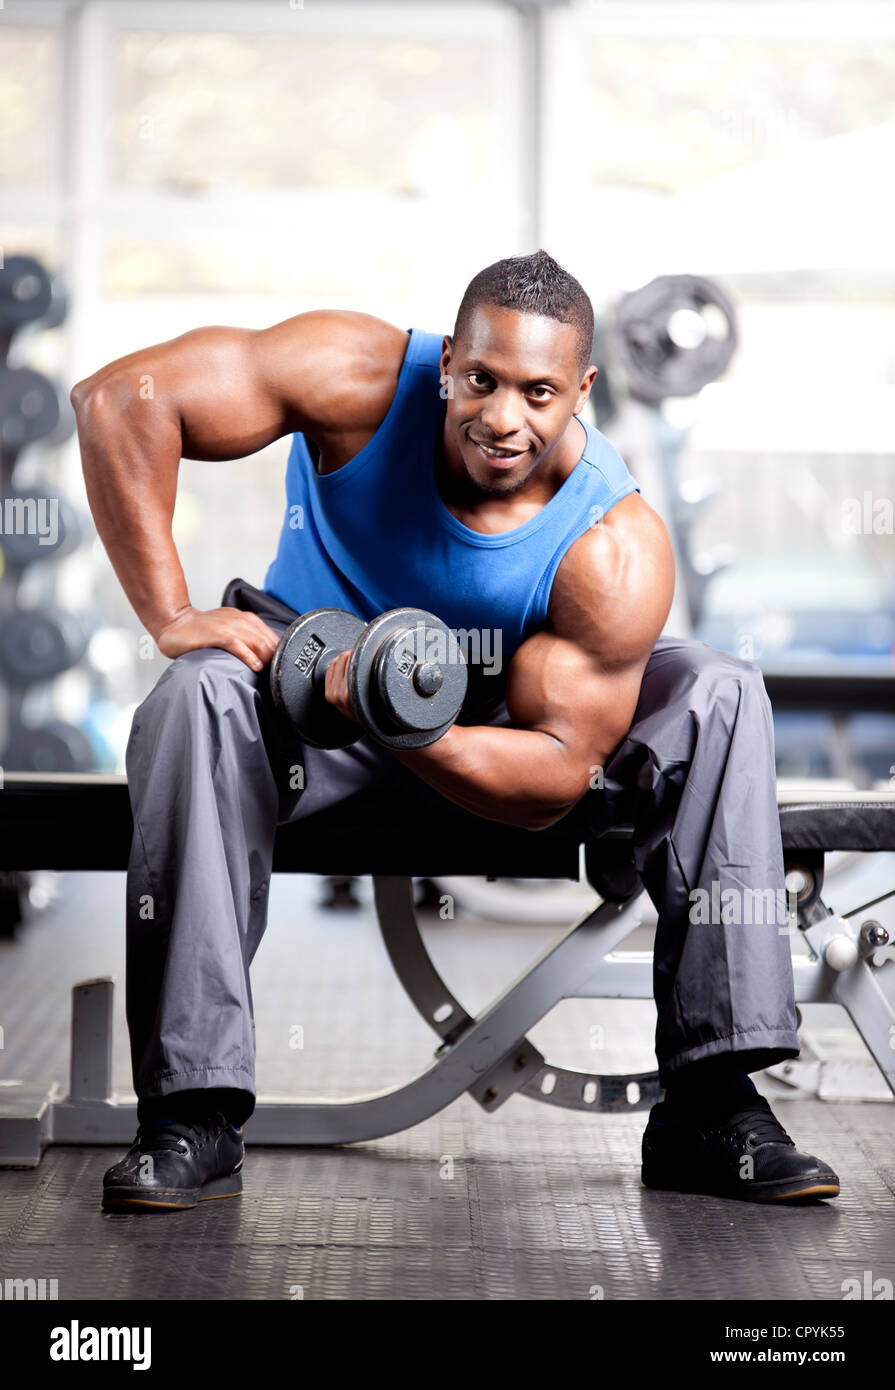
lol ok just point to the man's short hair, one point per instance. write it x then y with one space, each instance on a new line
534 284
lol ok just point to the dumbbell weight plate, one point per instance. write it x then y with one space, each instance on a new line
29 407
407 678
674 336
57 309
26 292
297 676
52 747
36 526
39 643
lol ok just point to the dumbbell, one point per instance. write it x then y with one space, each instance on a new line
406 677
35 526
37 644
674 336
29 407
26 294
51 747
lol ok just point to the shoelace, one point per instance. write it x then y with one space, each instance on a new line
168 1136
757 1120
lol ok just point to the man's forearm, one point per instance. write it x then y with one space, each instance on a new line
517 776
130 452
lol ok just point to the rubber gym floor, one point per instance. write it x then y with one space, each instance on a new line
530 1202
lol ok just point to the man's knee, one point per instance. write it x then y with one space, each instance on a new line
204 668
718 673
197 685
721 672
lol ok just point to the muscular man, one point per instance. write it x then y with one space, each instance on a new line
456 475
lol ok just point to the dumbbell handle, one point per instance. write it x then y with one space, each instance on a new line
427 676
324 661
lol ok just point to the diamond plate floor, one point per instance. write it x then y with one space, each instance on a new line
528 1203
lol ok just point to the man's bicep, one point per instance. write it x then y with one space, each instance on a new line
585 704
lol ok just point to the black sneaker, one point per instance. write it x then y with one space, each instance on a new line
177 1164
741 1152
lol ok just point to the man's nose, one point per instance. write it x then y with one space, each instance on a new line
502 414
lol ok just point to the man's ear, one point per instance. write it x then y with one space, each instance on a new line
584 390
447 352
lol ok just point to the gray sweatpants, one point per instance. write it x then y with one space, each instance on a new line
211 775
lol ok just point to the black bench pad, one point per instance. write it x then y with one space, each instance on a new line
855 821
70 821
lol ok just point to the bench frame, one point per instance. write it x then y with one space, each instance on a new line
489 1056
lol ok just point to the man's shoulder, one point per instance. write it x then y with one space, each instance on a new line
616 580
359 347
339 366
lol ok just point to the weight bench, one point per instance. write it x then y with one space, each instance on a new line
83 822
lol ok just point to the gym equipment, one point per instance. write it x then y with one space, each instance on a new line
51 747
85 823
29 407
57 310
298 671
674 336
13 891
40 643
35 525
406 677
26 294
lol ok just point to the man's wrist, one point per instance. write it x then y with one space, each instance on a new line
443 753
159 625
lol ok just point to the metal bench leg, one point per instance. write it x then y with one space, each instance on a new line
850 970
489 1056
523 1069
90 1113
867 992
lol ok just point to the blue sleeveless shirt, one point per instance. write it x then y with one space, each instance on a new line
376 534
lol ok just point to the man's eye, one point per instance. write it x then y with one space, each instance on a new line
545 389
482 379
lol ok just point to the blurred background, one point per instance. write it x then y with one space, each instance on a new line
173 163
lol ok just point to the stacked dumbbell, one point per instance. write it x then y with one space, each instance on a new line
406 677
668 339
38 639
675 335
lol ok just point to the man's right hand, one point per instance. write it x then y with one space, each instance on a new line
244 634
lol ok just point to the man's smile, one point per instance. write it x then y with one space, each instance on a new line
497 454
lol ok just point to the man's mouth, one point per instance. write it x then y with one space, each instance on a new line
497 454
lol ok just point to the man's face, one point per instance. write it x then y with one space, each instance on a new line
515 384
